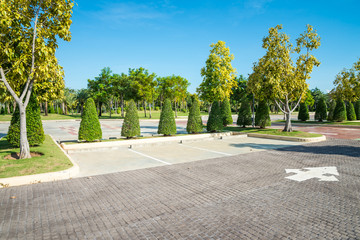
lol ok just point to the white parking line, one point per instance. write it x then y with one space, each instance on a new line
204 149
149 157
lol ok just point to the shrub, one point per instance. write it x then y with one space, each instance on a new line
90 129
131 125
215 121
167 125
303 112
320 113
118 111
157 108
51 109
351 115
357 110
262 117
141 108
226 112
34 128
244 117
331 111
340 111
194 123
3 110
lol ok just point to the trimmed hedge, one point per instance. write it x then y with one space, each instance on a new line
331 111
90 129
350 111
340 111
167 125
262 116
357 110
215 121
244 117
303 112
131 125
194 123
34 128
320 112
226 112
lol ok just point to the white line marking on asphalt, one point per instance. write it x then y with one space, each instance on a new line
204 149
149 157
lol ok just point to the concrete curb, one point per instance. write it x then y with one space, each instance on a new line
285 138
42 177
71 148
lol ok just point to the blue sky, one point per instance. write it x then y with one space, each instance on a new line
173 37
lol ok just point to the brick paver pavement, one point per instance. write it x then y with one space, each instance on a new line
237 197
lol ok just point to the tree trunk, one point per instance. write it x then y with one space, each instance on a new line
111 102
8 108
14 106
100 106
288 127
175 110
122 105
149 110
46 108
24 144
144 104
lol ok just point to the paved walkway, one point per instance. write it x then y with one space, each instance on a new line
237 197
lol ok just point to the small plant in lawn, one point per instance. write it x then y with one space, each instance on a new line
194 123
226 112
303 112
131 125
340 111
320 112
167 125
350 111
215 121
90 129
262 116
244 117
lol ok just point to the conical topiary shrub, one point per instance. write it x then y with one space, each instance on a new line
340 111
357 110
194 123
303 112
131 125
320 112
34 128
331 111
262 117
350 111
244 117
90 129
226 112
167 125
215 121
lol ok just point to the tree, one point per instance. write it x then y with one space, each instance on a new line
218 74
121 88
194 123
167 125
69 100
215 121
262 117
239 92
303 112
276 77
357 109
320 113
226 112
81 97
350 111
28 40
340 111
317 95
90 129
331 111
131 125
34 128
244 117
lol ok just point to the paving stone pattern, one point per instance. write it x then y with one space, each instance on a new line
238 197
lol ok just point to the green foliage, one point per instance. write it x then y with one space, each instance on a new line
226 112
320 113
340 111
351 115
131 125
90 129
303 112
2 110
244 117
194 123
167 125
51 109
215 121
157 108
357 110
34 128
331 111
262 117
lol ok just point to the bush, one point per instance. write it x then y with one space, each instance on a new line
167 125
262 117
320 113
141 108
3 111
351 115
331 111
90 129
226 112
244 117
340 111
303 112
34 128
215 121
51 109
131 125
157 108
357 110
194 123
118 111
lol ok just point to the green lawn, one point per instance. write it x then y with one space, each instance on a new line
52 160
270 131
349 123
